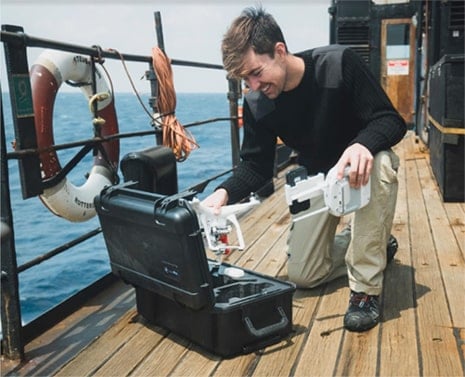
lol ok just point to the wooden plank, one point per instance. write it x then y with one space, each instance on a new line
450 257
136 348
51 350
237 366
164 358
320 353
276 258
456 215
196 363
413 148
436 340
398 335
270 249
409 147
86 363
359 354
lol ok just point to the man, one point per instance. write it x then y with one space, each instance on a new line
327 106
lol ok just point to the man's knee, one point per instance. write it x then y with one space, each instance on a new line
302 281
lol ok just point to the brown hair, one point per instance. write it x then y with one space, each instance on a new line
255 29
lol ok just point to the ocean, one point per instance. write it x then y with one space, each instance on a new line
37 230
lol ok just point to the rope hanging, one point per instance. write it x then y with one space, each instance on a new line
175 135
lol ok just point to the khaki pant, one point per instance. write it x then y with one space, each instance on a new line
318 255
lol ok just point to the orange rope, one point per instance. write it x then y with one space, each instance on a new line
175 135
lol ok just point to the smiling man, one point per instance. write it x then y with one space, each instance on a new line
326 105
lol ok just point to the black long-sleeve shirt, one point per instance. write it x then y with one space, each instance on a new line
337 103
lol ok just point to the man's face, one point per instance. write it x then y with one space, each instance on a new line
261 72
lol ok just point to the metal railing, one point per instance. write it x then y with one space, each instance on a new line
16 43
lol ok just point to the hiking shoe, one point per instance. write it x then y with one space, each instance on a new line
391 248
363 312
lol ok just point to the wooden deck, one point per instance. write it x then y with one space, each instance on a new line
422 332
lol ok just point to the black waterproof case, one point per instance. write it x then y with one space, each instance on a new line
155 243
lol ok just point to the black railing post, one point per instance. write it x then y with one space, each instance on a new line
234 94
23 112
150 74
159 31
12 342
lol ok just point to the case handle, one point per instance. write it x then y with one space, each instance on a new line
267 330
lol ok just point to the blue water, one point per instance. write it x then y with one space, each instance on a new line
37 230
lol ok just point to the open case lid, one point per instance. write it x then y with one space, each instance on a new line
155 242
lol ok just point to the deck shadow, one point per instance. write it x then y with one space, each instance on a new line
401 292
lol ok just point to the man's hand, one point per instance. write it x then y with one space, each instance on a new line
216 200
360 160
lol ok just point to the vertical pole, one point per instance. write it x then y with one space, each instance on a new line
234 94
23 113
152 77
12 342
159 31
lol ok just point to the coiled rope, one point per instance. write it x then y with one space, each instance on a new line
175 136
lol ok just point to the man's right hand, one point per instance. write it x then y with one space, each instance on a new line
216 200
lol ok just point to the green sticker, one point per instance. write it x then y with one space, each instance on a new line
23 96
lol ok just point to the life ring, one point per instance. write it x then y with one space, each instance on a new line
74 203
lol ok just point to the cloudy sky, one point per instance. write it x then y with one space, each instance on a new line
192 31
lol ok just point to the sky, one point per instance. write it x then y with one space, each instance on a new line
192 31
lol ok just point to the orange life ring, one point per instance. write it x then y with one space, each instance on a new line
47 74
